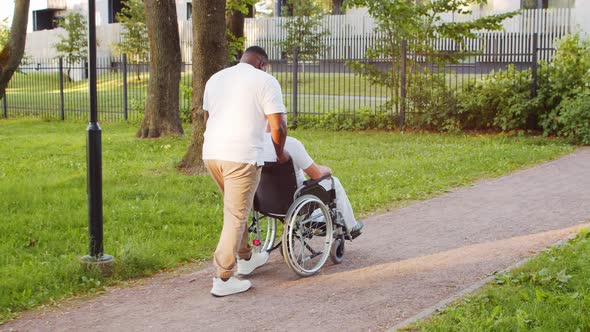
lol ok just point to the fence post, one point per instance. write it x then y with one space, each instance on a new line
295 72
402 115
61 89
534 64
125 104
4 106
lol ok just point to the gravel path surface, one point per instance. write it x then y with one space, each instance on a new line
406 261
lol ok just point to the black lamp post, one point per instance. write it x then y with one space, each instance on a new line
96 256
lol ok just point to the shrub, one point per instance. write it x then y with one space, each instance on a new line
138 104
185 112
574 118
362 119
501 100
562 80
433 102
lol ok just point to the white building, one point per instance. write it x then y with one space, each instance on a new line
43 31
580 9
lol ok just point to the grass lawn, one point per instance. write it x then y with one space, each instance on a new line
156 218
551 292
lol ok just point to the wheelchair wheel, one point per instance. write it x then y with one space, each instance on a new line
337 250
307 237
262 233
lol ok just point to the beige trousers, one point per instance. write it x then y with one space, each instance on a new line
238 183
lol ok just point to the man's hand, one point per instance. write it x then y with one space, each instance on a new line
284 157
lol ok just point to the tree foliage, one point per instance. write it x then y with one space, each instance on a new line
74 45
135 41
304 29
417 22
235 13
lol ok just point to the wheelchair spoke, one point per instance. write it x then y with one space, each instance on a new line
309 235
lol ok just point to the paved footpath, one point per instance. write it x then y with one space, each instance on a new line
406 261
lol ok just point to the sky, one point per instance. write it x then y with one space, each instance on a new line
6 9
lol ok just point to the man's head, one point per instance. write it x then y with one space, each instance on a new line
255 56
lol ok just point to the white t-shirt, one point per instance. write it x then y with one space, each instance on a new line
238 99
301 159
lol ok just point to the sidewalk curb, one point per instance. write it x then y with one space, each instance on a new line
472 288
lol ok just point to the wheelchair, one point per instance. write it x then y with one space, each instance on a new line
301 221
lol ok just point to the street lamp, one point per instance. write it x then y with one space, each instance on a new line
96 257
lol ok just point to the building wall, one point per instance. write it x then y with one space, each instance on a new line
582 16
40 44
581 12
503 5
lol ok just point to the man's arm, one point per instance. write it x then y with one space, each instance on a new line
278 131
316 171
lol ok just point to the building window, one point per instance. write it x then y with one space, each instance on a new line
44 19
189 10
543 4
115 7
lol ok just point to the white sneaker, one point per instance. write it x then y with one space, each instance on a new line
245 267
229 287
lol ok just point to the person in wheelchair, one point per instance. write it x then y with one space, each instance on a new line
304 165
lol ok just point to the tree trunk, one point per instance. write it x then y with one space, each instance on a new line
162 116
337 7
209 56
235 25
12 53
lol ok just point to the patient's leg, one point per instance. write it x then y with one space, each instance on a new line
343 205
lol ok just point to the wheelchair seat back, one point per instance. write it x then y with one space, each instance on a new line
275 191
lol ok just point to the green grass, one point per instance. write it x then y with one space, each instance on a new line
551 292
155 218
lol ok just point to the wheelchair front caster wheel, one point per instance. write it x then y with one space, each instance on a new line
337 251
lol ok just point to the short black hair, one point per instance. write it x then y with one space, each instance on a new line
257 50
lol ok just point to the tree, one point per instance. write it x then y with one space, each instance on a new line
236 12
209 56
162 116
135 41
304 29
12 52
417 22
337 7
74 46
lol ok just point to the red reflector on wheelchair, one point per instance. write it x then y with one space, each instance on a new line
256 243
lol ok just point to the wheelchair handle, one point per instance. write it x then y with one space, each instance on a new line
310 182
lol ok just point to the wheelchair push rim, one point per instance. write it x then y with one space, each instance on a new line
307 237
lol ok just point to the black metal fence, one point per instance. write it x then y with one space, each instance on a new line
55 89
312 88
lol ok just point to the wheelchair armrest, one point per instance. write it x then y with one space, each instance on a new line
310 182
